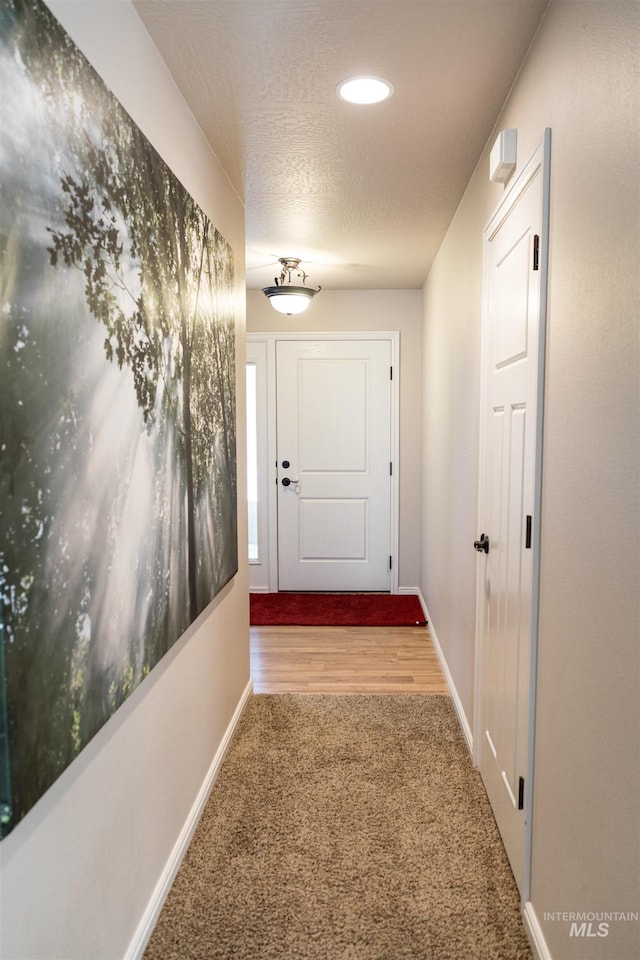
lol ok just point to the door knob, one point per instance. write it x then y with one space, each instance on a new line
482 545
286 482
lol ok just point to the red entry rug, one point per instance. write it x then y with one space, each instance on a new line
336 610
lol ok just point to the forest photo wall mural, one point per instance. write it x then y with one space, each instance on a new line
117 406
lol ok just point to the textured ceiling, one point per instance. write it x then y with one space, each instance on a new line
363 195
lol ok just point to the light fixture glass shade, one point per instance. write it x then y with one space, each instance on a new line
364 90
286 297
289 300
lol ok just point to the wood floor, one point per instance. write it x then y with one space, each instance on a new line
344 660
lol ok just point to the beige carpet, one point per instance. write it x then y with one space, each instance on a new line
344 828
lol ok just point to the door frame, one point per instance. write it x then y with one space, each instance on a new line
267 581
256 355
540 160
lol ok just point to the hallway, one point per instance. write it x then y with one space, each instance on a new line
124 808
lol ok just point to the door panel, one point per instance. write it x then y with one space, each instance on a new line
511 328
334 431
333 529
333 396
510 402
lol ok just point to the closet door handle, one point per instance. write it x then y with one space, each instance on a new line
482 545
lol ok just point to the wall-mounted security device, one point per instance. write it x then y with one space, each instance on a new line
503 156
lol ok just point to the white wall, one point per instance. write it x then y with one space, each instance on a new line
78 872
581 78
342 310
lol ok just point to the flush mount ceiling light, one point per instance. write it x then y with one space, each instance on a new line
286 297
364 89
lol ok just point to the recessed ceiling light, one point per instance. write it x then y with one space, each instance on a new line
364 89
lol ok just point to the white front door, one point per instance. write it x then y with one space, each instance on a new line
334 464
513 250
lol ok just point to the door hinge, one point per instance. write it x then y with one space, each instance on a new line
521 793
390 469
536 252
527 543
390 373
390 564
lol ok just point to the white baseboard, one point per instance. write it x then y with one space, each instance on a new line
457 702
161 891
534 932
